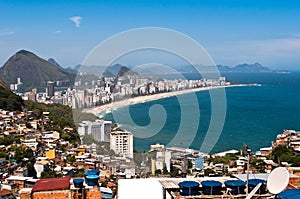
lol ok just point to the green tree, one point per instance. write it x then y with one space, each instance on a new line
61 116
208 171
88 139
2 154
281 153
50 174
31 170
174 171
80 173
71 159
8 140
19 154
137 157
157 172
295 161
10 101
258 164
190 164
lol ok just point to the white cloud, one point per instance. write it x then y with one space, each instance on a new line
57 31
6 32
76 20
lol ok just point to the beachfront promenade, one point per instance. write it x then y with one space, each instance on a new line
153 97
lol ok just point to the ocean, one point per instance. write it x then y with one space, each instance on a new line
254 114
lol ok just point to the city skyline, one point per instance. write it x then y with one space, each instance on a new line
232 32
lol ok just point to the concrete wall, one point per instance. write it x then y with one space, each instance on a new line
59 194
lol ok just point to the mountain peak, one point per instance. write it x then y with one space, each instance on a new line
24 52
33 70
52 61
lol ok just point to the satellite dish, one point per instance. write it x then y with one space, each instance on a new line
278 180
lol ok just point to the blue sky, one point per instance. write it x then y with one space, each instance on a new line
232 32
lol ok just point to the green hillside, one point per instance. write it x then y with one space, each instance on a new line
33 71
10 101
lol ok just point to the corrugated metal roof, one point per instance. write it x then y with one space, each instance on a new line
172 183
50 184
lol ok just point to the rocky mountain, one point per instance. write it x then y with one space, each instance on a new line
68 70
52 61
113 71
256 67
33 71
126 71
110 71
3 84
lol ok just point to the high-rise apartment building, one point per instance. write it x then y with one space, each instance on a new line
122 143
99 129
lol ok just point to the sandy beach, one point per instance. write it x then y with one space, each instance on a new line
147 98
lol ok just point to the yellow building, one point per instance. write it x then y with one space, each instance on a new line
50 154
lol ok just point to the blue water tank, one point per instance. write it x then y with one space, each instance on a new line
94 172
189 188
78 182
92 180
252 184
290 194
211 187
237 186
91 172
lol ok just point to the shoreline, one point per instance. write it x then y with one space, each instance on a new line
148 98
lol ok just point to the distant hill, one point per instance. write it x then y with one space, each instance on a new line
113 71
190 69
256 67
90 70
126 71
52 61
68 70
33 71
110 71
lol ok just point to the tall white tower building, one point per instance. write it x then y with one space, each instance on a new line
122 143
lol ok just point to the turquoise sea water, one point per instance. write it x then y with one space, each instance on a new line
254 116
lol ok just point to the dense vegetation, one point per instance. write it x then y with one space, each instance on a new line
102 147
79 116
10 101
61 117
284 154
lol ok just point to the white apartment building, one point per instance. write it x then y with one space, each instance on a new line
122 143
99 129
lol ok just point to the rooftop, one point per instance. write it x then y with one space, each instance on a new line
50 184
5 193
